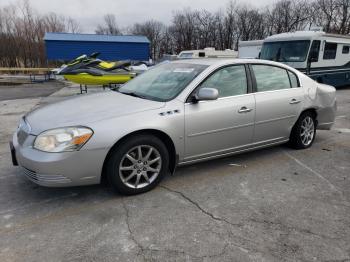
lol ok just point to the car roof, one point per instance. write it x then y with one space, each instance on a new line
217 62
222 61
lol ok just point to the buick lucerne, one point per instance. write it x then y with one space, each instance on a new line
174 114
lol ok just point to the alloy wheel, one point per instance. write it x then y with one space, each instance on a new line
140 166
307 131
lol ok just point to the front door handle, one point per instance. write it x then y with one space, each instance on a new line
244 109
294 101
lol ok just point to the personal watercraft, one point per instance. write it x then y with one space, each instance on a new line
89 70
79 59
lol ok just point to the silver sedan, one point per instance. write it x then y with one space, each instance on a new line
175 114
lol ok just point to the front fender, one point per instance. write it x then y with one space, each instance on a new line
168 119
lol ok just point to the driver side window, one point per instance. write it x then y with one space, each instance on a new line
229 81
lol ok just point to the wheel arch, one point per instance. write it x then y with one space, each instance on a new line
166 139
312 110
309 109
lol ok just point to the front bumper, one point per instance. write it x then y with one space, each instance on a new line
64 169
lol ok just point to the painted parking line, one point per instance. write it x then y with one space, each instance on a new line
341 117
342 130
314 172
239 165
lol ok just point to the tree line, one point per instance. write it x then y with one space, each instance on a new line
22 31
197 29
22 28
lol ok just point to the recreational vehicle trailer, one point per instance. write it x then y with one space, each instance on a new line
208 52
249 49
324 57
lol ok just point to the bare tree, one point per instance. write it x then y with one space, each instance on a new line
110 26
21 34
249 22
325 12
72 26
229 26
154 31
288 15
22 28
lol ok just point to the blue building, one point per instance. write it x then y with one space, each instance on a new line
66 46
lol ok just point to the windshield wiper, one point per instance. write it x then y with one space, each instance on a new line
133 94
147 97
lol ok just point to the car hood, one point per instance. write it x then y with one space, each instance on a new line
86 109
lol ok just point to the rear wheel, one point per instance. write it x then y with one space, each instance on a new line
137 165
304 131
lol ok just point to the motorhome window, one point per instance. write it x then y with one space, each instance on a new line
345 49
229 81
285 51
269 78
314 51
293 79
186 55
330 51
201 54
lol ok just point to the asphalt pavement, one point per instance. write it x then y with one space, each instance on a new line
25 89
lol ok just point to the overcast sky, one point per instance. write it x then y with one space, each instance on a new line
89 13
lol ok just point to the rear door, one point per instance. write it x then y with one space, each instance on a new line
278 99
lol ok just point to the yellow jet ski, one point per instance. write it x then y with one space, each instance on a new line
93 71
86 78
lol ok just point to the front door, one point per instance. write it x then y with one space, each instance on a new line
223 125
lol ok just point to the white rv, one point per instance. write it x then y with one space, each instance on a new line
249 49
324 57
208 52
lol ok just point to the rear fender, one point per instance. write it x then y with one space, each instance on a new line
326 103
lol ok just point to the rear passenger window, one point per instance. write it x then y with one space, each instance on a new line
330 51
293 79
345 49
269 78
229 81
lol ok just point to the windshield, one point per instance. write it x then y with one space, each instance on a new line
286 51
163 82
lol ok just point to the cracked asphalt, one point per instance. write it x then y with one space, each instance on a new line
275 204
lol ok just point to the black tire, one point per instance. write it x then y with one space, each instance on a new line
296 138
118 154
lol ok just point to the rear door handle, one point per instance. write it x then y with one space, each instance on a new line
244 109
294 101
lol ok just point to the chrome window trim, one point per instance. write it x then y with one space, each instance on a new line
220 98
281 67
213 72
271 91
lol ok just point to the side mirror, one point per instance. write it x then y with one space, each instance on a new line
312 59
207 93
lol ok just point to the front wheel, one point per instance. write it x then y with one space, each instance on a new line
304 131
137 165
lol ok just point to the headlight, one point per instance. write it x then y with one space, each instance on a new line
63 139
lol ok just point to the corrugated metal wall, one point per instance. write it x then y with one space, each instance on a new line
67 50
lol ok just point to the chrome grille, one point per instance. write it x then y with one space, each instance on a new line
45 178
